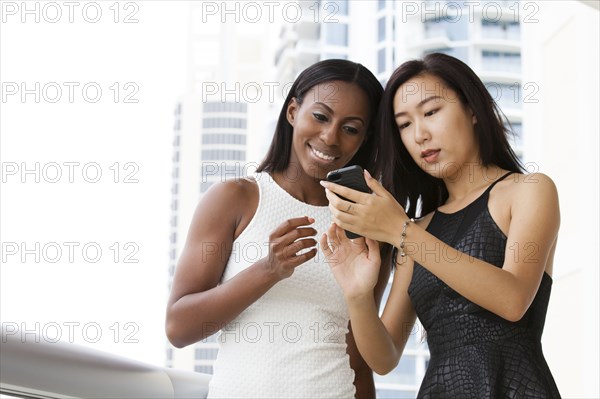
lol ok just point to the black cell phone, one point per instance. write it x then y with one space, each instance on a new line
352 177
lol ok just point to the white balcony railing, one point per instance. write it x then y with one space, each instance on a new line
47 370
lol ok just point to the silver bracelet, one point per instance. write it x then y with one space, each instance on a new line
403 237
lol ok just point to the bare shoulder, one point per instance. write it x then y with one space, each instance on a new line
523 194
518 186
230 192
532 187
232 188
530 197
227 205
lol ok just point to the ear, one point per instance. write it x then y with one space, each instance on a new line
473 117
292 109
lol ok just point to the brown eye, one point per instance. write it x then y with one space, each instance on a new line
320 117
351 129
403 126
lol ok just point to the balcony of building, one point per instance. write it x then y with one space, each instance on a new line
36 367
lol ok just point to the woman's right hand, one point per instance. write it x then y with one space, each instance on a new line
285 242
354 263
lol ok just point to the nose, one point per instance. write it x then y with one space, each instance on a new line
330 134
421 133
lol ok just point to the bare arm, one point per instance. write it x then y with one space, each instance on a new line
363 380
380 341
507 291
198 305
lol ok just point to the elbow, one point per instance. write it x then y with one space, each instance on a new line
175 333
177 342
174 336
386 366
513 316
515 310
383 370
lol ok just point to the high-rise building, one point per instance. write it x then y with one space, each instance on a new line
212 124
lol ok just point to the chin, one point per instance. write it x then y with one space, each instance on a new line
320 172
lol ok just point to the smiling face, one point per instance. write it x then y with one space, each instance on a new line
329 126
436 128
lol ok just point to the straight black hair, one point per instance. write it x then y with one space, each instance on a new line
278 155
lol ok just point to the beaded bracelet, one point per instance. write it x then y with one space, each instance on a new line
404 225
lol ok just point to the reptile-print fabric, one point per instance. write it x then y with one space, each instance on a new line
476 354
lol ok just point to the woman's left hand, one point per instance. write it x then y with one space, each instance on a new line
377 216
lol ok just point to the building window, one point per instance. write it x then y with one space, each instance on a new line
340 9
507 30
337 34
381 4
381 60
235 123
205 353
381 29
453 30
507 96
225 107
501 61
203 369
223 155
224 138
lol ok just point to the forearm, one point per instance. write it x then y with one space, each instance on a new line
196 316
493 288
372 338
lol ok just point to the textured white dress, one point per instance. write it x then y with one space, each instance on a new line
291 343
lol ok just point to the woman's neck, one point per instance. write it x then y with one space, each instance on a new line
471 179
302 187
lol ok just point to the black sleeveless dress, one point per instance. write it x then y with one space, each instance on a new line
476 354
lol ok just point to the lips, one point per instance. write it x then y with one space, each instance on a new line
430 155
323 155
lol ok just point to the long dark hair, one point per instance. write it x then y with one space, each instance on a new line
278 155
399 173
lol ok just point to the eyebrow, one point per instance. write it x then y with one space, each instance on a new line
331 111
419 105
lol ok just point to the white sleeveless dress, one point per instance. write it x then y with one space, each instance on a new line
291 343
